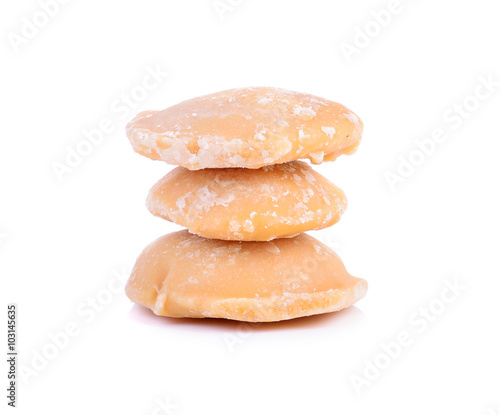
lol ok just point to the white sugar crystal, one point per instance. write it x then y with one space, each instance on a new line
352 117
302 135
303 111
248 226
181 202
317 156
329 131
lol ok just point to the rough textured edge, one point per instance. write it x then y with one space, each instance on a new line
272 309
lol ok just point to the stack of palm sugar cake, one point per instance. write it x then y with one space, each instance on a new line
245 201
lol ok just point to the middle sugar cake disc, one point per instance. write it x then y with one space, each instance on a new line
240 204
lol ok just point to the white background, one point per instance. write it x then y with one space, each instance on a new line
65 239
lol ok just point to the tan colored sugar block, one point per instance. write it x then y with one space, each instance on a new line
184 275
248 205
246 127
